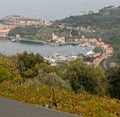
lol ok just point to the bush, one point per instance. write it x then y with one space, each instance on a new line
4 74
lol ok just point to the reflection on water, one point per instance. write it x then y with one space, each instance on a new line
11 48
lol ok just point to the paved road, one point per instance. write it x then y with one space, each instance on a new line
11 108
105 63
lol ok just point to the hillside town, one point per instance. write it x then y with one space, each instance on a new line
22 21
4 29
11 22
92 43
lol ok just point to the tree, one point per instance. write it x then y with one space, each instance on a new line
113 76
27 64
81 77
100 77
98 49
47 68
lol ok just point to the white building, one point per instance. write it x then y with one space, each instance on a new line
58 39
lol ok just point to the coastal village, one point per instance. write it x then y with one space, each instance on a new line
107 50
10 22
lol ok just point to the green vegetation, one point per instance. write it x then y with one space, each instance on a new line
82 104
73 87
9 69
98 50
43 33
114 81
107 18
84 78
25 32
27 62
4 74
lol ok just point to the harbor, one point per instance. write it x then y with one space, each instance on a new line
11 48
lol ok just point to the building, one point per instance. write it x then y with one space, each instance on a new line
18 20
58 39
4 30
109 50
76 40
113 64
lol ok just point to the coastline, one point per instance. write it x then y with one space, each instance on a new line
40 41
43 42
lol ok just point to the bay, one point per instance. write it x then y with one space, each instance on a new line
8 47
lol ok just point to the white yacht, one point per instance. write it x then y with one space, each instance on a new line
13 40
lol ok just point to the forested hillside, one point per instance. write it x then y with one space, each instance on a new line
74 87
106 24
106 18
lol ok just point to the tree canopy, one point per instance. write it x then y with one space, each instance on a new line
114 82
82 77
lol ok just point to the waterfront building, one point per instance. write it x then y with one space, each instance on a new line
58 39
4 30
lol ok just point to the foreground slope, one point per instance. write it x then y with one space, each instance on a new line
10 108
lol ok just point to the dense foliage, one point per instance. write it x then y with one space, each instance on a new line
27 62
55 86
9 69
114 81
4 74
107 18
25 32
84 78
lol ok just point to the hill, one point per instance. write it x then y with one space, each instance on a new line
31 80
105 24
106 18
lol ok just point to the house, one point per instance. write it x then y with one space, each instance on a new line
58 39
109 50
76 40
96 62
83 39
113 64
54 37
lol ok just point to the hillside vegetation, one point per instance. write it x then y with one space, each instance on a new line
74 88
106 18
106 24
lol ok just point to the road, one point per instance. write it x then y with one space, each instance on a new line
105 63
11 108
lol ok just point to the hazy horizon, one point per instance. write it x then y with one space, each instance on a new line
46 10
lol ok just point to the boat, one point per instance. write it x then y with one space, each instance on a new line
13 40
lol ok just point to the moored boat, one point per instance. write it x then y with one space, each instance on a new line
13 40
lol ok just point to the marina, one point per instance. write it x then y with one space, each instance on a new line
11 48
